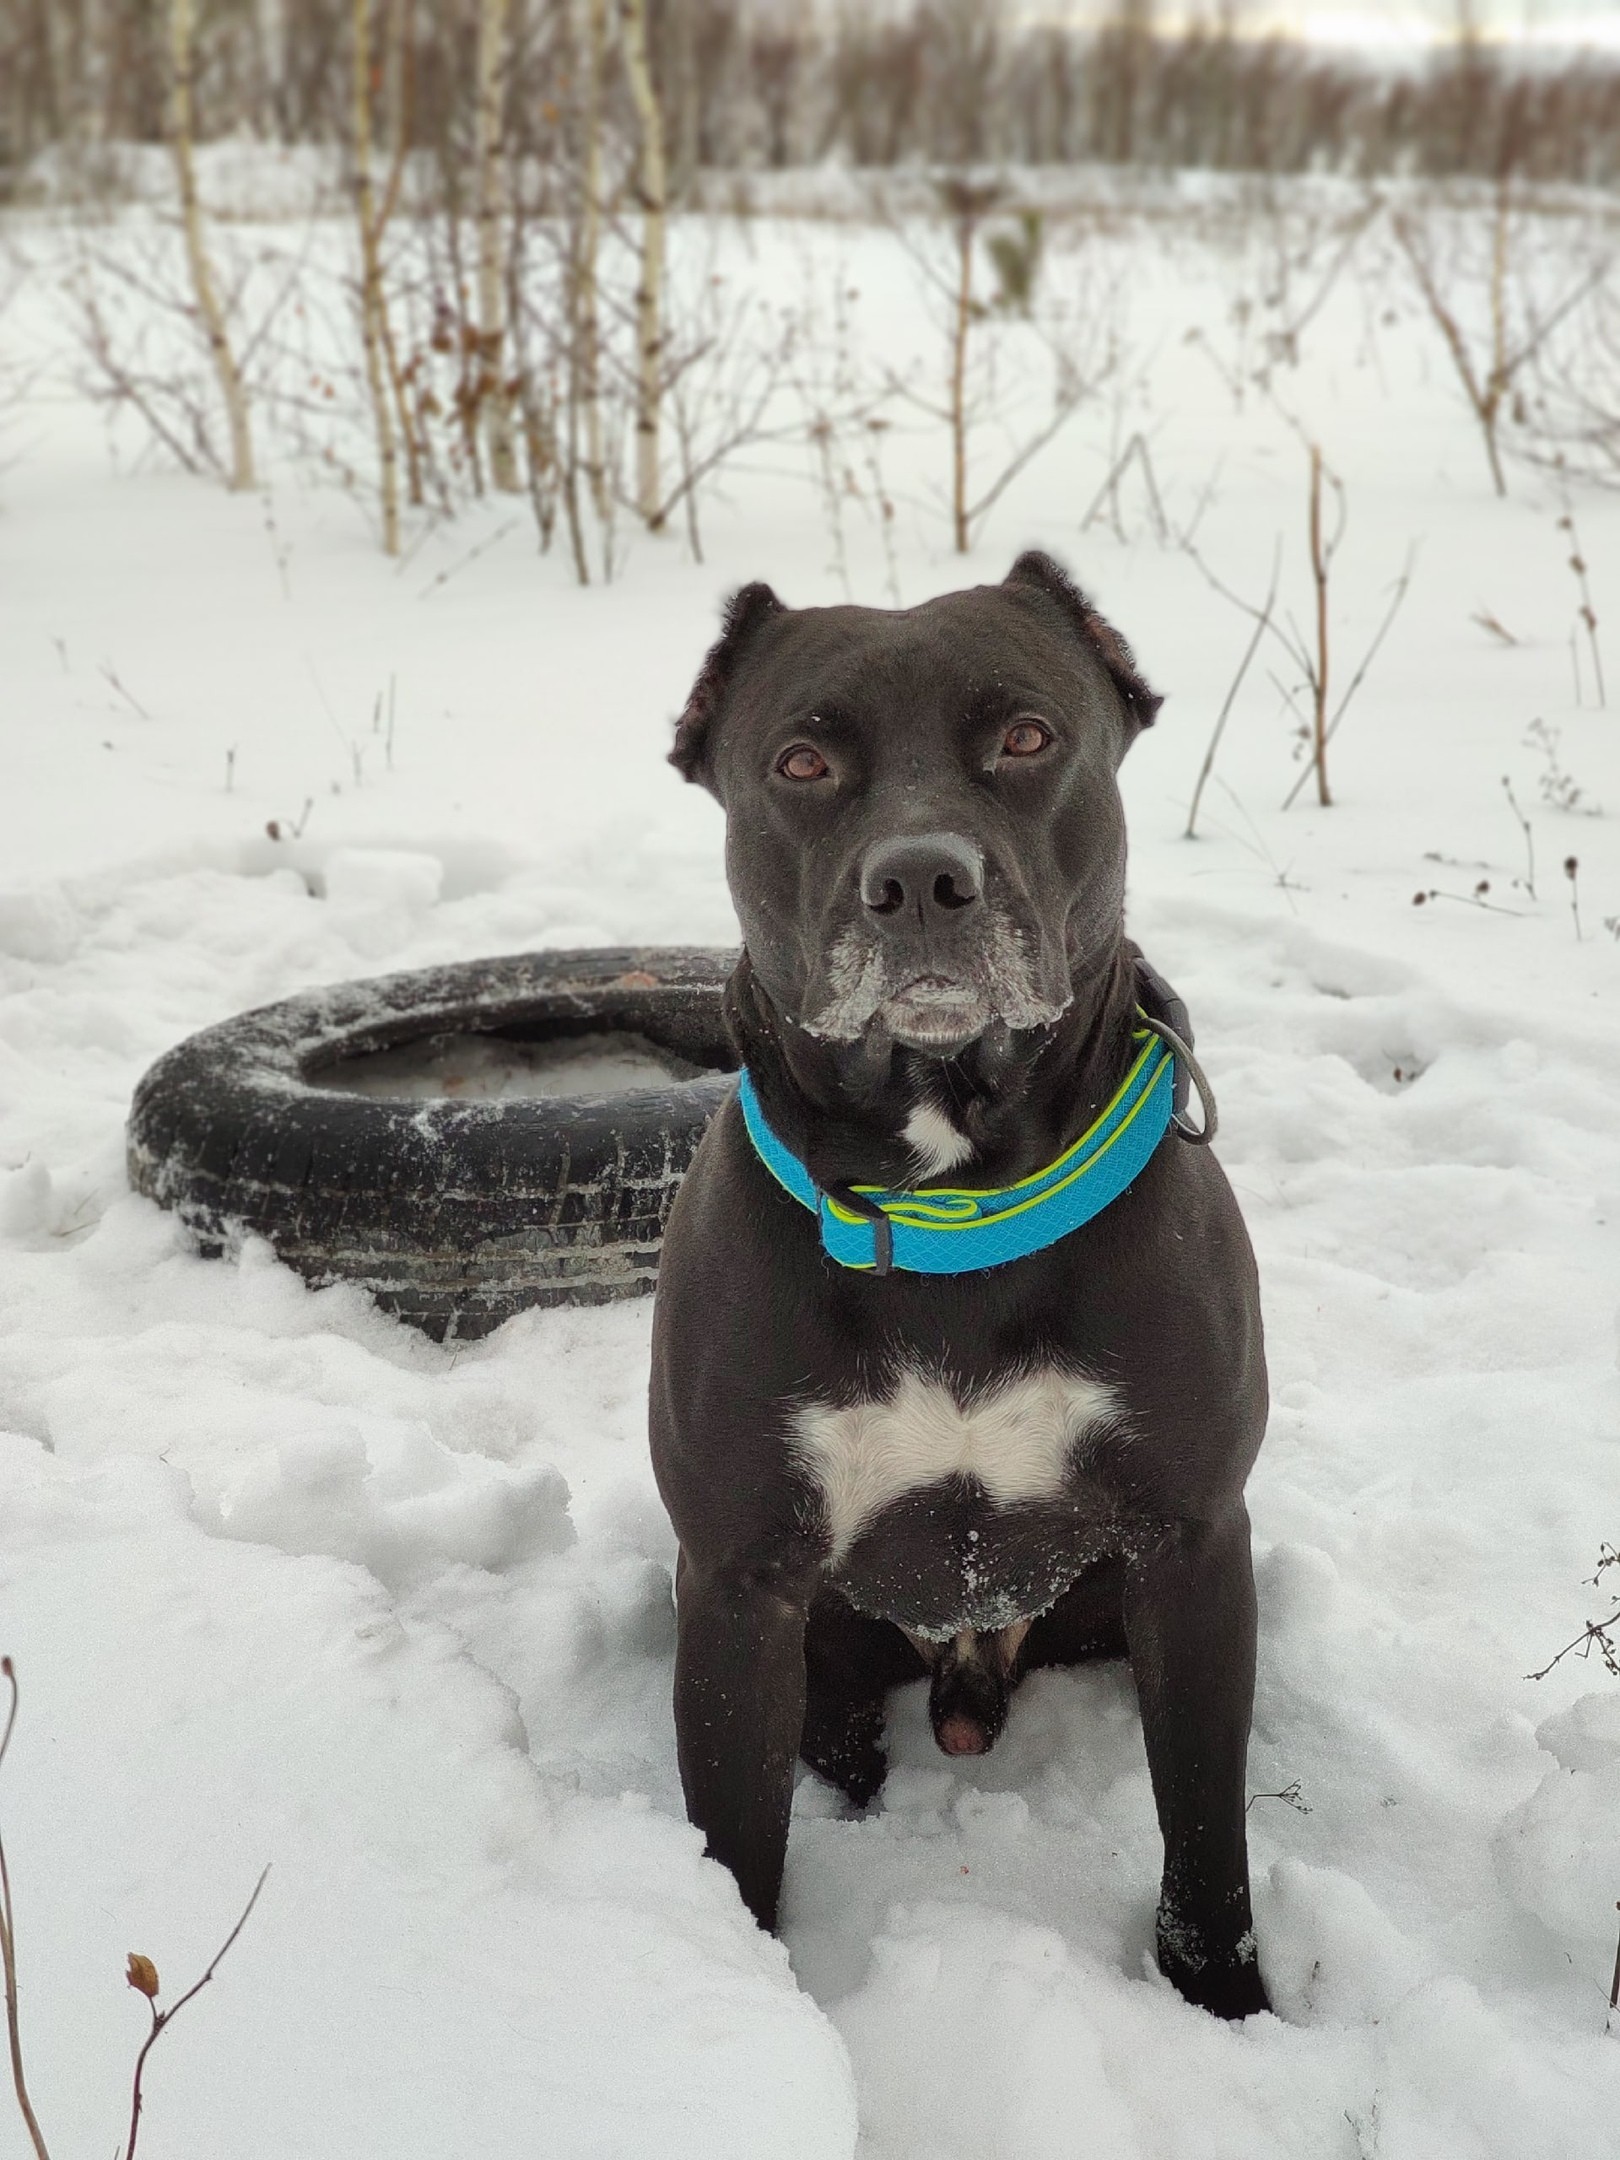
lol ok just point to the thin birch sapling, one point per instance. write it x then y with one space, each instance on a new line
652 188
182 134
372 218
493 29
585 364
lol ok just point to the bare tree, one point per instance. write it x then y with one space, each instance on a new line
966 205
972 393
1516 329
1309 650
182 126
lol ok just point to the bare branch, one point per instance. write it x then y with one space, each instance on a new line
163 2019
1261 626
1397 595
8 1948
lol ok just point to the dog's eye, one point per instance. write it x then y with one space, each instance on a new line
1024 738
802 763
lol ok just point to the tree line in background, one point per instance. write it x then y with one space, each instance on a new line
746 85
506 308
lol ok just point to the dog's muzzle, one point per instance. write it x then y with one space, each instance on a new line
924 897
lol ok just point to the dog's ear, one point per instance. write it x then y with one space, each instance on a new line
745 612
1040 573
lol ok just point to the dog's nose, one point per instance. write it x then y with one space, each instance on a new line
960 1734
923 874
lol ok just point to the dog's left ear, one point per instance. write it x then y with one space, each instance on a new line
745 612
1041 574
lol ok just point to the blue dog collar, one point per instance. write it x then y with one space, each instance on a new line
949 1231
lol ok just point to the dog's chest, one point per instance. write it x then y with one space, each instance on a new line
1011 1444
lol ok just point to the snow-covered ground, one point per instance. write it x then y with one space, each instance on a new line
286 1583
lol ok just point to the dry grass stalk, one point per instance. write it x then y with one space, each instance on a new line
1319 673
182 126
1585 613
1529 878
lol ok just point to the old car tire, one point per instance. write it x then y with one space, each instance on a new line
454 1214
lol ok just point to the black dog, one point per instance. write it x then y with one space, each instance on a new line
876 1474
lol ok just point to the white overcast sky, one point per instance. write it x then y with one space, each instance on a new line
1399 24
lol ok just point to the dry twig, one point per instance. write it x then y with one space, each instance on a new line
8 1947
1262 623
142 1976
1598 1635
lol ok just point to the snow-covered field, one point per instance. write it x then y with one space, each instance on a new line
286 1583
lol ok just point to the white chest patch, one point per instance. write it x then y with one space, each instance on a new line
935 1141
1017 1440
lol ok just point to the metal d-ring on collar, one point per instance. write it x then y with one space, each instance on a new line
1198 1135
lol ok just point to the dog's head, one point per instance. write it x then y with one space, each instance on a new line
924 832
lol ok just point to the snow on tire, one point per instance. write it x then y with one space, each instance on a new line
463 1141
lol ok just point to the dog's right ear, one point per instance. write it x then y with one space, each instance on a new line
746 612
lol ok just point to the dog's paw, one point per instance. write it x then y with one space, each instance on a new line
1225 1982
848 1752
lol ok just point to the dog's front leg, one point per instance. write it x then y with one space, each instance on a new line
1190 1624
739 1713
